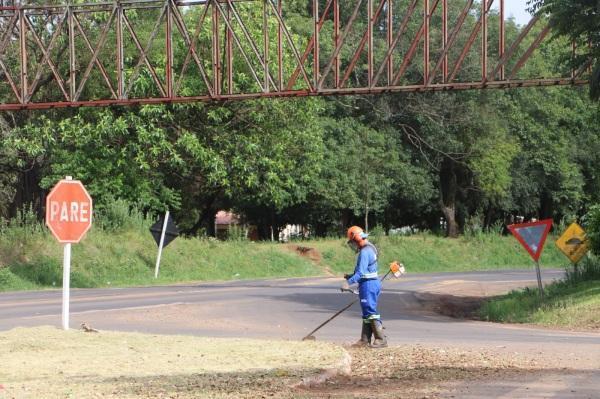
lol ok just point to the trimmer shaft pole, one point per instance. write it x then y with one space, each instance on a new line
339 312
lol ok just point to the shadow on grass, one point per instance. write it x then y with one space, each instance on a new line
47 272
148 260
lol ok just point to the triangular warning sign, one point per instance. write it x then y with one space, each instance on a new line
532 236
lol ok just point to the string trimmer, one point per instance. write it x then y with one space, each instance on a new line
397 269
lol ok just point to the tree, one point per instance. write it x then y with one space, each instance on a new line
578 20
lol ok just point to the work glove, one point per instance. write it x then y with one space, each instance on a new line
345 285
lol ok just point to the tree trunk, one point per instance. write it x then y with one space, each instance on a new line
206 219
367 218
28 191
451 224
345 219
448 189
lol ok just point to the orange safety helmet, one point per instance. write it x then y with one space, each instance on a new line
356 234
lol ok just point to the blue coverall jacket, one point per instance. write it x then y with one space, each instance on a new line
369 286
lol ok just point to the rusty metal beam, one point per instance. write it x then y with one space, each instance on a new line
413 47
529 51
191 44
32 35
309 47
303 93
469 44
6 36
144 53
448 43
361 47
389 55
514 47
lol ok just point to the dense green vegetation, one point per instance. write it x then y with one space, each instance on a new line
579 20
473 159
120 251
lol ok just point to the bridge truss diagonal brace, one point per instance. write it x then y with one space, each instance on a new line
369 41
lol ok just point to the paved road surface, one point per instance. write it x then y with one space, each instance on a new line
286 309
291 308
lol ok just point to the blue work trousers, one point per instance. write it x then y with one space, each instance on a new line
368 291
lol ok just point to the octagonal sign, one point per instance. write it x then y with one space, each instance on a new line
69 211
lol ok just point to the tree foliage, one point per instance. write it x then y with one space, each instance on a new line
390 160
578 20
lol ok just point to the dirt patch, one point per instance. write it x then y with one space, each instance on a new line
306 252
420 372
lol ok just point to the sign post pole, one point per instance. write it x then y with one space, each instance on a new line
66 290
539 279
160 245
66 285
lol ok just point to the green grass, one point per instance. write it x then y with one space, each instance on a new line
425 253
127 258
566 304
30 258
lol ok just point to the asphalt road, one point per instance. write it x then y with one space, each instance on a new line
291 308
287 309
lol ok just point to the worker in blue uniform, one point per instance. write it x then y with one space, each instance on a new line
369 288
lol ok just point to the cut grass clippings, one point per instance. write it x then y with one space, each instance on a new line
574 305
46 362
417 372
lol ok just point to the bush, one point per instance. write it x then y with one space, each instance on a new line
588 269
5 276
25 223
591 223
43 272
237 233
120 215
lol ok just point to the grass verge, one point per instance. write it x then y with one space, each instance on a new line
30 258
425 253
566 304
45 362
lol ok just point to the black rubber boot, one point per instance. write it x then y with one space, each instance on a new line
380 339
365 336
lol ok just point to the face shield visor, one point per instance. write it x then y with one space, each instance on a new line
353 245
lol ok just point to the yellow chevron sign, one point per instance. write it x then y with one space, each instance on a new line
574 243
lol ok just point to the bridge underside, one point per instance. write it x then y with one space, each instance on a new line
164 51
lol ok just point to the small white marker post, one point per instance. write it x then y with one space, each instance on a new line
160 245
66 292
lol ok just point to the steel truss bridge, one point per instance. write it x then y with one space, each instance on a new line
164 51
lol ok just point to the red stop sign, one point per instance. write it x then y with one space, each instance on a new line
69 211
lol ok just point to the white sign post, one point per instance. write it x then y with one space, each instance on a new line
66 292
160 245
